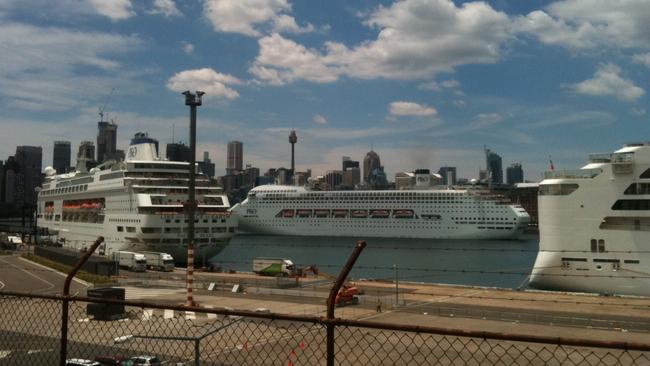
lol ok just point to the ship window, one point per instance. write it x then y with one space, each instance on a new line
645 174
632 205
130 229
636 223
631 261
120 229
594 246
557 189
638 188
601 245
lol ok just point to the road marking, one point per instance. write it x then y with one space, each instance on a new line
2 285
75 279
169 314
51 285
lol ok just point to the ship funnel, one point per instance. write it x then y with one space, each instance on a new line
422 178
142 148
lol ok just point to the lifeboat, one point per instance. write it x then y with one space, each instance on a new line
321 213
340 213
303 213
86 205
359 213
403 214
379 213
287 213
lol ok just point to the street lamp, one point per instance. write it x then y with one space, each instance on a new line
193 101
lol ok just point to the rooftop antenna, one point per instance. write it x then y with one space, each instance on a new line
102 109
173 127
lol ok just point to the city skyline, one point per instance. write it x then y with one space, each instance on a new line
529 80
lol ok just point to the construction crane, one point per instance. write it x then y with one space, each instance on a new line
102 109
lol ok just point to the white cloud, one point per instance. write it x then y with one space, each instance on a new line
282 61
411 109
113 9
588 24
165 7
451 83
473 33
251 17
643 58
40 71
429 85
214 84
188 47
320 119
607 81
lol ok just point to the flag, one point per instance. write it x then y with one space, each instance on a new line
551 161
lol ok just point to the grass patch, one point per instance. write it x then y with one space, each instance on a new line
6 252
88 277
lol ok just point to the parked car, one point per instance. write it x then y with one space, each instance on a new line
113 361
145 360
80 362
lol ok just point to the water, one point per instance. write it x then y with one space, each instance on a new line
493 263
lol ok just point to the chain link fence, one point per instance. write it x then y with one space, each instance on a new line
30 334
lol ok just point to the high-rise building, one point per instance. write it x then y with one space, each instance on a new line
349 163
29 160
351 176
106 141
514 174
11 170
207 166
333 178
448 175
61 156
370 163
178 152
235 157
493 167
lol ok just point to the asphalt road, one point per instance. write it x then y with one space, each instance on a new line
18 274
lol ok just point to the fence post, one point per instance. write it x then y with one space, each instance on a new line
332 298
63 353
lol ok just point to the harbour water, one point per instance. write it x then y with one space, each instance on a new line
492 263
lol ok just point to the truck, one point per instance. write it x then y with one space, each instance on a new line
10 241
273 266
133 261
159 261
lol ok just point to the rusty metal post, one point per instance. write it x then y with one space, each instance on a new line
332 298
63 353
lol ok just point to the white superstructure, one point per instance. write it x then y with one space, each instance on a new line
594 226
288 210
136 205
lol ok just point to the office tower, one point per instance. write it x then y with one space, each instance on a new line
370 163
207 166
349 163
514 174
106 141
352 176
235 157
178 152
493 167
448 175
29 160
333 178
61 156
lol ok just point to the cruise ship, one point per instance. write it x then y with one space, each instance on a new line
136 204
594 226
418 213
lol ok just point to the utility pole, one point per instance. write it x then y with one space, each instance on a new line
396 285
193 101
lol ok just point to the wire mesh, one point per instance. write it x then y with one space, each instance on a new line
30 335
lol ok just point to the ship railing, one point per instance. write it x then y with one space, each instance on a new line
600 158
572 173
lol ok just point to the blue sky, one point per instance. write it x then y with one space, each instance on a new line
426 83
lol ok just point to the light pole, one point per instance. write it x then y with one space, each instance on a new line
193 101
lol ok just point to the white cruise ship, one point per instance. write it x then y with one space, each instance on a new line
135 205
423 213
594 226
